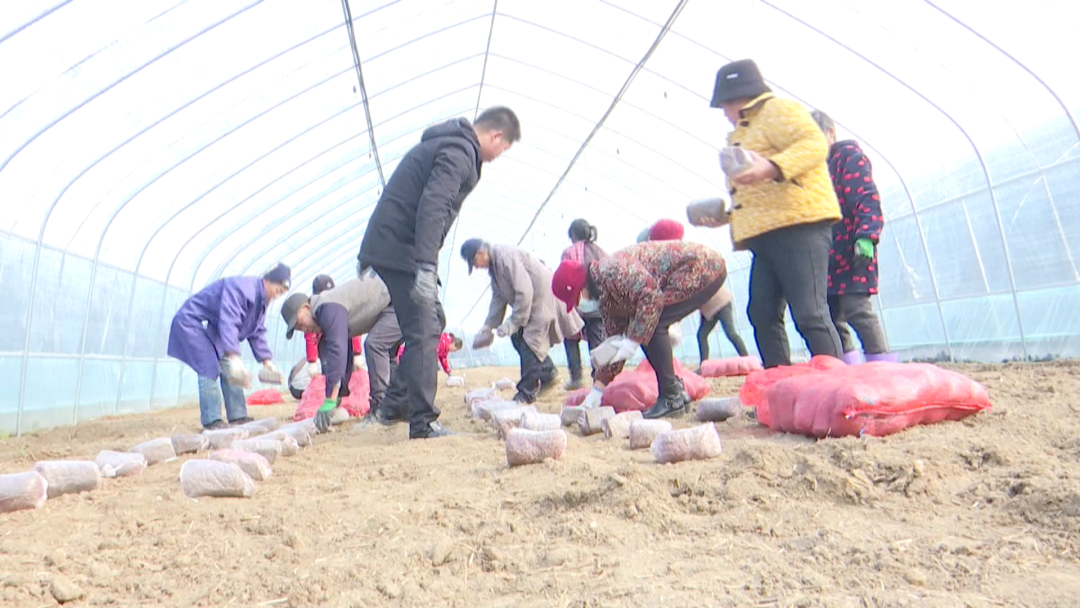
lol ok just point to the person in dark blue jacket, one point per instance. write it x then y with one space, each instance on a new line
206 334
407 229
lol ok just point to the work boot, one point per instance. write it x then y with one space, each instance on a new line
548 384
573 384
673 404
387 416
244 420
433 430
216 425
522 398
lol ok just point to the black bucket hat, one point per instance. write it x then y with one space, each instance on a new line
738 80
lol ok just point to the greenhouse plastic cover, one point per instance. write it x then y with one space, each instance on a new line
151 147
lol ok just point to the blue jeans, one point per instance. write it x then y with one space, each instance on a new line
210 400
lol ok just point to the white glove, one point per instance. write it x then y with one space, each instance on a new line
675 335
358 362
592 400
235 372
601 355
614 349
483 339
506 329
313 369
626 349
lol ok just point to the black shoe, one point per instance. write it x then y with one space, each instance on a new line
548 384
385 416
523 399
244 420
573 385
432 431
216 425
668 405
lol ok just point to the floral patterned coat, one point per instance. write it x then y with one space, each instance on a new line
638 282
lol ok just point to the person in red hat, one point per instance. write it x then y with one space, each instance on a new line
666 230
719 308
642 291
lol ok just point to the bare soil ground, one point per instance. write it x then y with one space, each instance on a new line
984 512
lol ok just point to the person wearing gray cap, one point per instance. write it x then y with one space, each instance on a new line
537 320
206 333
338 315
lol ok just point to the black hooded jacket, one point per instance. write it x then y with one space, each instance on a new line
423 198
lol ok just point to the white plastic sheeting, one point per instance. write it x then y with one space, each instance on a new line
151 148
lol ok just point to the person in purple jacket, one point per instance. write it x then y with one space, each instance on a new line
206 334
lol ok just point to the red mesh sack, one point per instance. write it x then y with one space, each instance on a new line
267 396
631 391
636 389
357 403
578 397
872 399
752 392
732 366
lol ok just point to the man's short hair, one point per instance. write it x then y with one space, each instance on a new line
500 119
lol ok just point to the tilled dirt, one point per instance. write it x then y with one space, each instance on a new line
984 512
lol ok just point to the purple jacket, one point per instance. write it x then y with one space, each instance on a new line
233 309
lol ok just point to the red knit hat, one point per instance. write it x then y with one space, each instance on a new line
666 230
568 281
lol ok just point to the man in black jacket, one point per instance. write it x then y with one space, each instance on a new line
407 230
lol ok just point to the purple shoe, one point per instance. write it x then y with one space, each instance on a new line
885 357
853 358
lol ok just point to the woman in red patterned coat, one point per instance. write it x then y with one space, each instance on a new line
853 263
642 291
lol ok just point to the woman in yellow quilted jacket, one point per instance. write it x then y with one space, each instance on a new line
783 207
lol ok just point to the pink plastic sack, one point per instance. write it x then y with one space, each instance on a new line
732 366
872 399
752 392
636 389
267 396
577 397
357 403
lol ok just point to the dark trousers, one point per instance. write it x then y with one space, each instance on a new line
594 335
658 350
343 391
421 327
534 372
726 317
790 268
380 351
857 310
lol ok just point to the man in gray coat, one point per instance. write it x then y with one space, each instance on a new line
354 308
537 320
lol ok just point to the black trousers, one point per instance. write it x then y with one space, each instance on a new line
417 372
790 268
594 335
534 372
856 310
658 350
726 317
